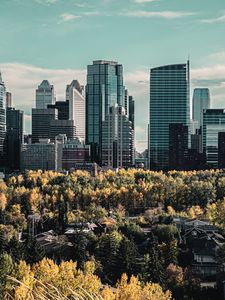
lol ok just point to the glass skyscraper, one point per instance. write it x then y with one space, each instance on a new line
44 95
104 89
169 103
201 101
213 123
2 116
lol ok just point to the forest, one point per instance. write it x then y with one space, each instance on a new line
136 254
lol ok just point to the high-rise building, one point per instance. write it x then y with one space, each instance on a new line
75 96
213 123
2 117
169 103
59 127
221 150
178 146
117 139
41 121
201 101
40 156
14 137
44 95
131 110
8 99
126 102
62 108
104 89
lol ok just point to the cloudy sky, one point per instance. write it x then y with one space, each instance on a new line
56 39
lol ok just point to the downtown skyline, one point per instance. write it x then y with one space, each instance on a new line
140 31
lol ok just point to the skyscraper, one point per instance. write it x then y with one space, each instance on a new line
131 110
8 99
2 117
201 101
169 103
14 136
62 108
75 96
117 139
44 95
41 121
178 146
104 89
213 123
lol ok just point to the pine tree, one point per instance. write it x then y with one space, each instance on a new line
33 251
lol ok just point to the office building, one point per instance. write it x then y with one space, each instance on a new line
41 121
40 156
74 152
2 118
117 139
201 101
59 127
131 110
178 146
221 150
8 99
14 137
104 89
44 95
75 96
196 141
169 103
213 123
62 109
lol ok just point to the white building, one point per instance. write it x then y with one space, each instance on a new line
75 95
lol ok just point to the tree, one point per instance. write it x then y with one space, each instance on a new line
153 266
6 268
33 251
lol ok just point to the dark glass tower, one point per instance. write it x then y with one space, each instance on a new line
14 137
169 103
104 89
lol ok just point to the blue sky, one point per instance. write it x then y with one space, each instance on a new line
56 39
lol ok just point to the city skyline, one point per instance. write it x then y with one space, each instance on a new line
142 29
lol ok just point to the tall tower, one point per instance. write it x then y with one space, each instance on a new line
2 116
14 137
75 96
169 103
201 101
104 89
44 95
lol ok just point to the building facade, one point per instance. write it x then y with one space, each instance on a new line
213 123
40 156
2 118
62 127
41 123
62 108
169 103
201 100
14 137
117 139
74 152
104 89
221 150
44 95
75 95
178 146
8 99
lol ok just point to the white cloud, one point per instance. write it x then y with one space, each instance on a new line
66 17
160 14
214 20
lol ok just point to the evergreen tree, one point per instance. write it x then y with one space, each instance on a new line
153 266
80 243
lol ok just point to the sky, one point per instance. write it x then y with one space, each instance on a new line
57 39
